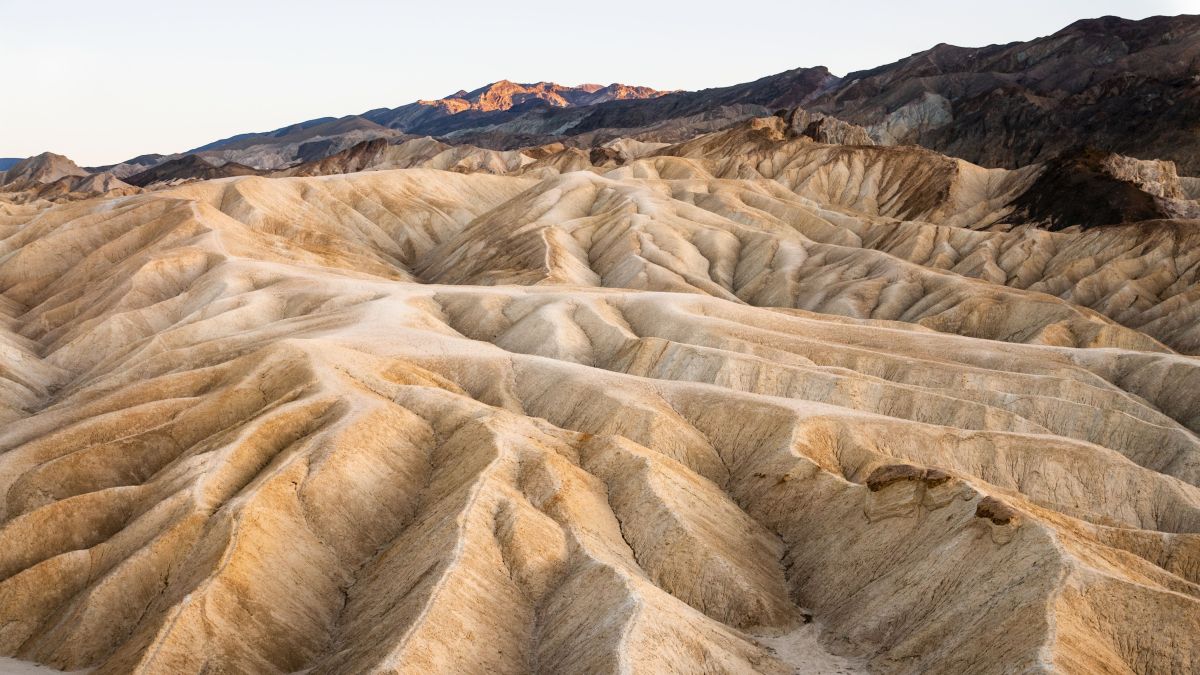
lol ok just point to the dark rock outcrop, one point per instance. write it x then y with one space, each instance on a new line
996 511
895 473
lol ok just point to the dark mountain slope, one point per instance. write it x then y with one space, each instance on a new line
1118 85
189 167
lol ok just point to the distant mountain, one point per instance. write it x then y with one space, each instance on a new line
508 115
55 177
132 166
671 117
423 117
506 95
325 126
44 168
7 163
189 167
1115 84
311 140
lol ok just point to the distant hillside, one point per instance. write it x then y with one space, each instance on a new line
188 167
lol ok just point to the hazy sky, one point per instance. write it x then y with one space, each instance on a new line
103 81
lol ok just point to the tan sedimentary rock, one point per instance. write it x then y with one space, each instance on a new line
645 419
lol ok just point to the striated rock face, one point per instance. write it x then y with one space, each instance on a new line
826 129
905 125
1155 177
746 403
70 188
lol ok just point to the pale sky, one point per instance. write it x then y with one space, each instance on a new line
104 81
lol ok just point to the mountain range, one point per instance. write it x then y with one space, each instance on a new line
1109 84
1002 105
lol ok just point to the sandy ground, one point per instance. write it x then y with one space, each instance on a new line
802 650
14 667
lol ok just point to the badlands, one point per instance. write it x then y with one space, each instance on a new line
772 398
